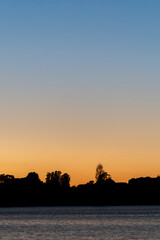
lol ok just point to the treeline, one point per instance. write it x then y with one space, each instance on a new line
56 190
54 178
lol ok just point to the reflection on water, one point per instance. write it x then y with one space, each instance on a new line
112 223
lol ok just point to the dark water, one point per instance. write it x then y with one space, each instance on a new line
113 223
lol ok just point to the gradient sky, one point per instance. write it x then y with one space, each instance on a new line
80 85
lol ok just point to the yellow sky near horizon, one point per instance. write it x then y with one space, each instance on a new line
127 148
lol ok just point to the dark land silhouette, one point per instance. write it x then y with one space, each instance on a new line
56 190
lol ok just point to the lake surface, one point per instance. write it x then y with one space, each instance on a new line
112 223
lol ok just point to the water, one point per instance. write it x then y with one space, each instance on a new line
112 223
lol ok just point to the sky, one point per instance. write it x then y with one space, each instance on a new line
79 85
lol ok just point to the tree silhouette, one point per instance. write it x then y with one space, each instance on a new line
48 177
101 176
33 178
6 178
54 178
65 180
57 179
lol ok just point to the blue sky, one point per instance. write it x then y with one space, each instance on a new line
95 63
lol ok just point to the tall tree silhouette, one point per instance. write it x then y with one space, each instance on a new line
102 176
